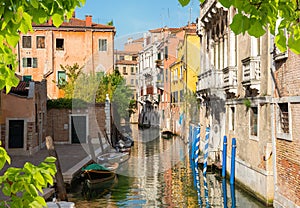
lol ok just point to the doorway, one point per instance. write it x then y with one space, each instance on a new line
78 129
16 134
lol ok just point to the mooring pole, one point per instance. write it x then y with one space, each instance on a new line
91 148
224 158
61 189
224 188
205 165
232 171
232 193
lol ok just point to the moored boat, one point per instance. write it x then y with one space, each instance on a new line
98 176
113 157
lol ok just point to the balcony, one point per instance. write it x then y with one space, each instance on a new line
230 80
251 73
210 79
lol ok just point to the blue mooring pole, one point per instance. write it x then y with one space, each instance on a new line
205 165
232 171
224 158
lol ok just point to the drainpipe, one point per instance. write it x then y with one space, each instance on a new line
273 123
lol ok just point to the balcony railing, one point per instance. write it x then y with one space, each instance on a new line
210 79
230 79
251 72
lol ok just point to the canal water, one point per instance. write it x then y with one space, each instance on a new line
159 174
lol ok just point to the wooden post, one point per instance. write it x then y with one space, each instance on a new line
91 148
101 143
61 189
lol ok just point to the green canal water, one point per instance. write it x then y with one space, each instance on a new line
158 174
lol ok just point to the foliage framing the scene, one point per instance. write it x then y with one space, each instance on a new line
280 17
22 185
17 17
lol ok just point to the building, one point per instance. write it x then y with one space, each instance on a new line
158 53
234 87
184 73
41 53
126 62
23 117
285 132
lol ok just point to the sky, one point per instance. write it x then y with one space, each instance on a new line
134 17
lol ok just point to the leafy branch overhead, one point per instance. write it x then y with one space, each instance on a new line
17 17
255 17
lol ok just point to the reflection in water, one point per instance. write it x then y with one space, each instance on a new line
158 174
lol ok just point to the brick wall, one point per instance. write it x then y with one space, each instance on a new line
58 122
288 76
288 152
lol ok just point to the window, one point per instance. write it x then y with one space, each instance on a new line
102 44
116 68
61 78
253 121
27 78
166 52
284 117
134 58
59 44
122 58
181 96
132 81
40 42
231 118
26 41
132 70
29 62
284 122
124 70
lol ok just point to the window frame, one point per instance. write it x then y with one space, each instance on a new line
34 62
232 118
23 41
102 48
279 131
37 41
251 136
63 44
58 78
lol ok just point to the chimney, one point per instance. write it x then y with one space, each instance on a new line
50 21
73 14
88 20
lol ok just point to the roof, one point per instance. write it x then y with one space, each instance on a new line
126 62
162 29
76 23
22 89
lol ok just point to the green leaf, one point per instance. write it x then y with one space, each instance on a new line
39 178
32 190
184 2
35 204
57 20
294 44
50 159
256 29
226 3
35 3
40 200
6 189
240 24
280 41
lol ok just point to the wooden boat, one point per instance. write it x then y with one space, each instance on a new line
113 157
97 176
166 134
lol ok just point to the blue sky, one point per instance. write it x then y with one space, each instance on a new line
134 17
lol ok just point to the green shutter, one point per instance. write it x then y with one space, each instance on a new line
34 62
24 62
61 77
